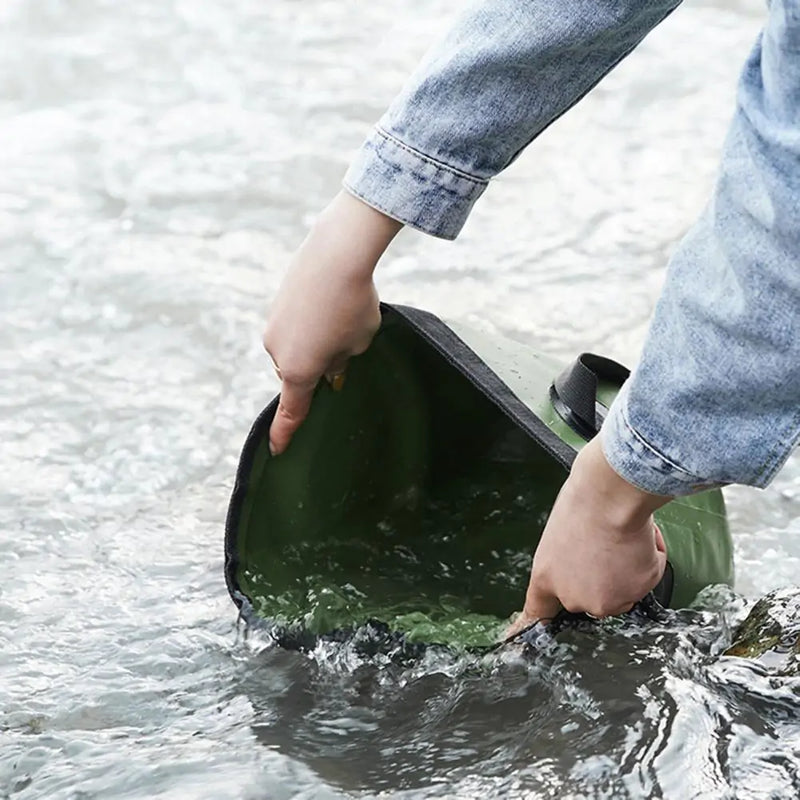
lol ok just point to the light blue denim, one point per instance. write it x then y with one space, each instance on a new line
715 398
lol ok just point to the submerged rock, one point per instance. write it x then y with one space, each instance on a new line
771 632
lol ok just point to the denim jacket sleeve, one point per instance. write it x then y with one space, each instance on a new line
716 396
503 73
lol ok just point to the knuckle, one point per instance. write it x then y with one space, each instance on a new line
288 416
375 322
539 573
572 606
601 609
363 341
297 376
361 347
268 336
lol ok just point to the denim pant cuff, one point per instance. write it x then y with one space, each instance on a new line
641 464
411 187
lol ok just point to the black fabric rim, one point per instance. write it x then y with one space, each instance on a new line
257 431
456 352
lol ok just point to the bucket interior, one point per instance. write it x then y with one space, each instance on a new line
407 497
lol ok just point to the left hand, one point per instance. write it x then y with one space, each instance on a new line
327 308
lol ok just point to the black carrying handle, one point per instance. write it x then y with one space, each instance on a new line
574 392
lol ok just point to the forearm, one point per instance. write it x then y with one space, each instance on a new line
716 396
358 230
506 71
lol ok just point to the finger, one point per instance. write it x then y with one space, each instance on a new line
335 374
540 604
661 554
336 380
660 543
295 400
523 621
520 623
275 365
661 557
623 608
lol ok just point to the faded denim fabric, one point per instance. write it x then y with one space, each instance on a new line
716 396
504 72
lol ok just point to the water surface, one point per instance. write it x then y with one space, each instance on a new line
158 162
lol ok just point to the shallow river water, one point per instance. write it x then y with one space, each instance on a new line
158 161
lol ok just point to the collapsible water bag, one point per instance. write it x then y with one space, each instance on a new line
413 498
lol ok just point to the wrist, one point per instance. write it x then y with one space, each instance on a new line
357 232
619 504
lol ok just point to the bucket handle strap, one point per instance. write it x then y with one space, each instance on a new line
574 392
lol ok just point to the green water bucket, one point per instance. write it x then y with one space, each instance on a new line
414 497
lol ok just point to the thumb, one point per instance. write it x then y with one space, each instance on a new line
295 400
540 606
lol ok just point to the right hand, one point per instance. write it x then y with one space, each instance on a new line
600 551
327 307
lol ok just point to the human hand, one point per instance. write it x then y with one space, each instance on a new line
326 309
600 551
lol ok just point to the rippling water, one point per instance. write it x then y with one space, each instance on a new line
158 161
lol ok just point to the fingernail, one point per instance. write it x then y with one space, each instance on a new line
336 380
273 451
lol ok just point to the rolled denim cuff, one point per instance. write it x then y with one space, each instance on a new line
412 187
633 458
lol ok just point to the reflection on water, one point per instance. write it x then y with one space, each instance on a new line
158 162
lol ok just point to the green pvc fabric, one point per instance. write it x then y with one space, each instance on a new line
415 496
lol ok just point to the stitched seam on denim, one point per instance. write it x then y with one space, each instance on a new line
772 464
432 161
656 453
440 230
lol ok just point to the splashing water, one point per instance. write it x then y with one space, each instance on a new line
158 163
